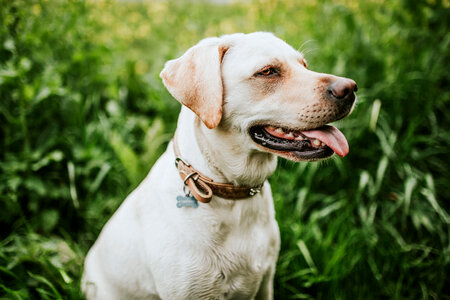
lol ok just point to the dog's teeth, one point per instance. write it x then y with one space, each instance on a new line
316 142
279 130
322 144
289 135
299 138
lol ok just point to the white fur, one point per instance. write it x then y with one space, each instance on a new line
226 249
151 248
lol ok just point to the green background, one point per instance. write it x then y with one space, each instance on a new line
84 116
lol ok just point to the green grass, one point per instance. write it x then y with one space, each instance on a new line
84 115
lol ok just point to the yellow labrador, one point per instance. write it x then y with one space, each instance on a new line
247 98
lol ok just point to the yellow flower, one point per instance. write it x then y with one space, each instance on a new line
36 9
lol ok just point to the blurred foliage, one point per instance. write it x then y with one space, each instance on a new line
84 115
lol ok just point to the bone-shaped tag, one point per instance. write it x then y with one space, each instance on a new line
186 201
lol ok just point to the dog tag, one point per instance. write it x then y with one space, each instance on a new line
186 201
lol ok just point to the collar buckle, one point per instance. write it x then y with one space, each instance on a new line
203 188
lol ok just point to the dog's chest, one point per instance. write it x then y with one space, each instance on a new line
226 261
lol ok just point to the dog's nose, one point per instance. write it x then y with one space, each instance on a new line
343 89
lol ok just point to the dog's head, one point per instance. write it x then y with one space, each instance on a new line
259 89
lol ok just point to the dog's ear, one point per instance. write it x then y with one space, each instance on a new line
195 80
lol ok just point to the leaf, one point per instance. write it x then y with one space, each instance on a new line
429 195
93 187
73 188
42 94
326 211
46 282
49 219
382 166
376 106
9 45
54 156
410 184
307 255
127 157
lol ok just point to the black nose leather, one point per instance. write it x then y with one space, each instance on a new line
343 89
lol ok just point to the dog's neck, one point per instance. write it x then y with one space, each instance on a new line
220 155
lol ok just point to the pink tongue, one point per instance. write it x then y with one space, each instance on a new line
331 136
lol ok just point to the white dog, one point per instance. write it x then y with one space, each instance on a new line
206 229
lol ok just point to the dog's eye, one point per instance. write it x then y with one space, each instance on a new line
305 63
268 71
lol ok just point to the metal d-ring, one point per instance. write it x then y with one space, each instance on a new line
177 159
189 176
188 193
255 190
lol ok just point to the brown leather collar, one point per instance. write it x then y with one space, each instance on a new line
203 188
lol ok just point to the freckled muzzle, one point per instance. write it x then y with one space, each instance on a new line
333 100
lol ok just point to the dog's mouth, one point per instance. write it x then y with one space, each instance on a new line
313 144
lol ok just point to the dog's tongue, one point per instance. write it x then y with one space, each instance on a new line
331 136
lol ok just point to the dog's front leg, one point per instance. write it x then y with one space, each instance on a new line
266 287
